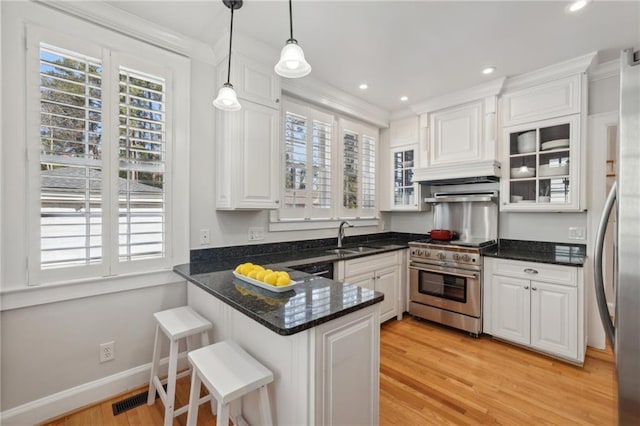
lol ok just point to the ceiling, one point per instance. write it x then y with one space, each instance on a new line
419 49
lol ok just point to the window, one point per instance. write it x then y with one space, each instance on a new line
308 137
326 176
101 162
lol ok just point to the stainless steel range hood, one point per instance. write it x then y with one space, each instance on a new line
476 172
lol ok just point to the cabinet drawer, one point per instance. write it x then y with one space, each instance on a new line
369 263
557 274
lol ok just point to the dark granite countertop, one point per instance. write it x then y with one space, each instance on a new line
539 251
314 301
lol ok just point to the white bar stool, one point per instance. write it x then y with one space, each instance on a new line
228 373
178 323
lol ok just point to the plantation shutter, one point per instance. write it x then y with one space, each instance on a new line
142 156
307 163
70 159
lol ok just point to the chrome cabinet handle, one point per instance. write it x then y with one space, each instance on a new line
530 271
526 287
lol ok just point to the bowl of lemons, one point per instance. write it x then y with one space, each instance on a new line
268 279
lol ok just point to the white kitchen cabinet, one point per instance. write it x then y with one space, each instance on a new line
325 375
537 305
252 80
247 158
404 131
381 273
458 134
545 175
541 101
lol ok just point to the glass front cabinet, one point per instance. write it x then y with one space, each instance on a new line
541 167
405 195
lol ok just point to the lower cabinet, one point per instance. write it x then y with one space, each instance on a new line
379 272
537 305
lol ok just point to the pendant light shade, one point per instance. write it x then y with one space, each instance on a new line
292 63
227 99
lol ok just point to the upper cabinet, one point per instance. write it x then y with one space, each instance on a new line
543 154
399 189
457 134
247 145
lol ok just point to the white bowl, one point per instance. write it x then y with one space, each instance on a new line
527 142
547 170
516 198
519 172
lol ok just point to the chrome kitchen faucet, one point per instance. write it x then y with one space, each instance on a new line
341 231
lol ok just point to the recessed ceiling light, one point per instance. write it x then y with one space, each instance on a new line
404 98
363 86
577 5
488 70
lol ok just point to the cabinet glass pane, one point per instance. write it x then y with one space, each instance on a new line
556 190
403 162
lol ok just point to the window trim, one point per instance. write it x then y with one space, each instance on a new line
362 217
177 70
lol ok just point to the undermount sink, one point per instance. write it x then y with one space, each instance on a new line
353 250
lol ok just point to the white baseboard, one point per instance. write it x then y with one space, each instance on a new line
89 393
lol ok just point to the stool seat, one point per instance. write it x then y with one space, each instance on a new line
181 322
228 372
177 324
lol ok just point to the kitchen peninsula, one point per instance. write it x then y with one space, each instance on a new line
321 339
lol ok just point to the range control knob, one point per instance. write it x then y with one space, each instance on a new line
427 253
466 257
456 257
441 256
419 252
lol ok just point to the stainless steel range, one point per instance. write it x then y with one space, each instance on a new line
445 277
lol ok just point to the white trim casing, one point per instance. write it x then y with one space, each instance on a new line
71 399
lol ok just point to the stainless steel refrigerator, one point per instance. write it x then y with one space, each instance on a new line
624 332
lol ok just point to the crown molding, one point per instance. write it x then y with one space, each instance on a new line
552 72
317 92
491 88
605 70
112 18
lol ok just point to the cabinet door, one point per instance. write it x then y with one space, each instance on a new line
456 135
404 194
510 309
554 318
258 180
542 166
386 281
365 280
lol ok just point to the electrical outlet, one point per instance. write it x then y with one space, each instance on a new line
204 236
577 233
107 351
256 234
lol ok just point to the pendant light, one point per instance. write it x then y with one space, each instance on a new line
227 99
292 63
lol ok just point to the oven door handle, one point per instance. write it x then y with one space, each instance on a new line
443 271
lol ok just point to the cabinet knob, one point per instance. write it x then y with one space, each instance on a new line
277 201
533 288
277 100
530 271
526 287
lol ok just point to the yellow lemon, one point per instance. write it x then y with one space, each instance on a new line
283 274
252 274
239 269
260 275
271 278
258 267
283 280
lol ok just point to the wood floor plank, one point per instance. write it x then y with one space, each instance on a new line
433 375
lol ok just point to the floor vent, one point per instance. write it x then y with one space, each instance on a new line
132 402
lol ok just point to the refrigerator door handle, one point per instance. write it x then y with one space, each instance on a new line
597 267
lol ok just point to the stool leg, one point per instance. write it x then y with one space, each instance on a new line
154 367
265 406
171 383
204 341
194 397
223 415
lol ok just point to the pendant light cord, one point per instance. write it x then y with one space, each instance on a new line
290 21
233 6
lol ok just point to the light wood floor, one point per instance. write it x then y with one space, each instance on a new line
434 375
